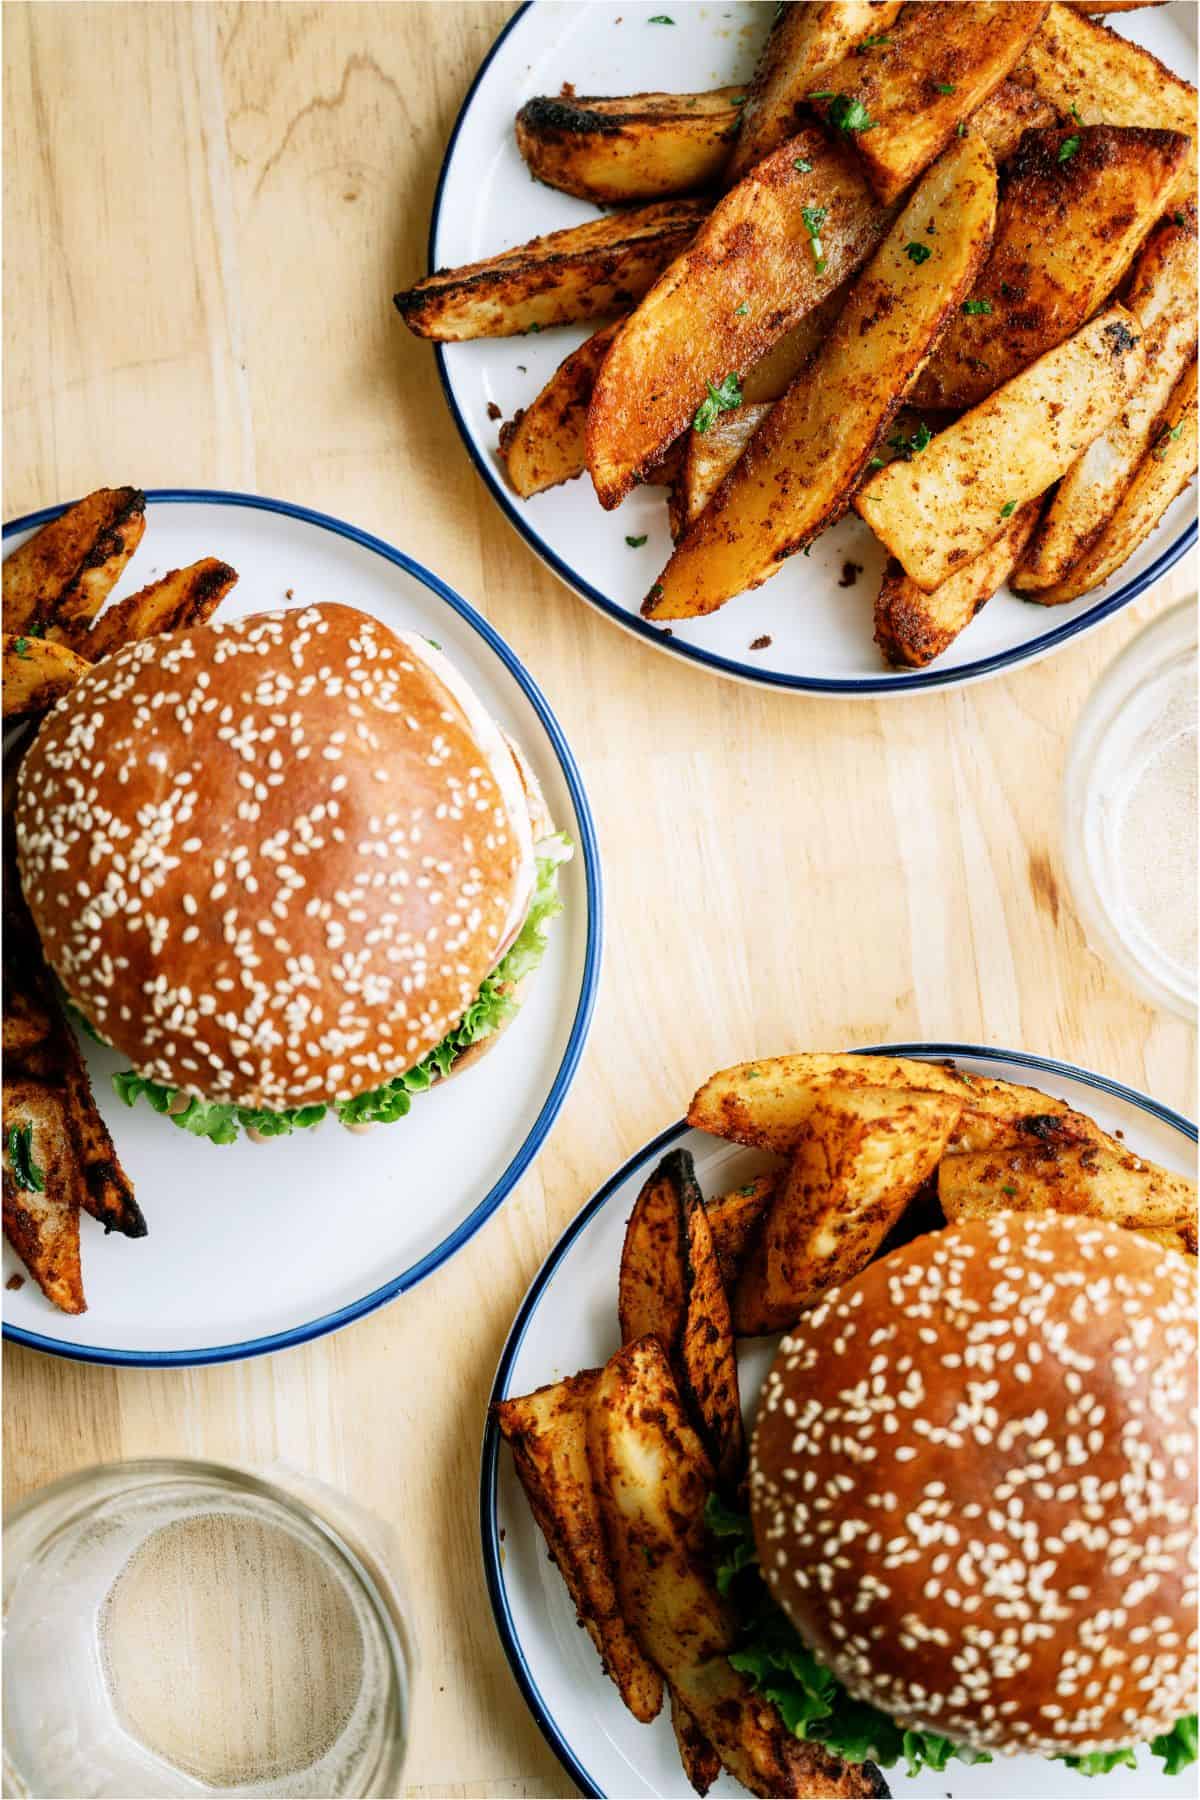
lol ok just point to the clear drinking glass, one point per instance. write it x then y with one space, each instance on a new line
1130 836
179 1628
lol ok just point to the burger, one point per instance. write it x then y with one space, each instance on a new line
287 866
973 1503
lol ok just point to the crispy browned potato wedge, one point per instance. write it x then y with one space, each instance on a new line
1161 476
862 1155
40 1048
41 1192
800 469
1162 294
1096 76
1051 1170
944 508
912 627
805 42
733 1219
547 1432
701 1764
543 444
901 104
766 1104
671 1288
653 1479
37 672
183 598
1007 115
635 147
57 580
586 272
1065 234
750 275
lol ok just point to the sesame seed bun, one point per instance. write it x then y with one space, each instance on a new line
273 860
973 1484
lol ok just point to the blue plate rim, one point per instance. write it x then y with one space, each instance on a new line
919 680
590 854
489 1522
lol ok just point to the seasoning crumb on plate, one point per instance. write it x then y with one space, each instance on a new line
761 643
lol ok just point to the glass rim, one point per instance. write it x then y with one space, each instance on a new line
357 1561
1163 639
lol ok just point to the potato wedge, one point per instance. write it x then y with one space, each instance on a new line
1096 76
799 471
771 376
805 42
36 673
1161 476
547 1432
733 1219
766 1104
1065 234
1162 292
710 455
1007 115
1111 6
901 104
1052 1171
586 272
41 1192
748 278
41 1049
862 1155
1183 1241
57 580
183 598
671 1288
701 1764
543 444
912 627
653 1479
637 147
946 506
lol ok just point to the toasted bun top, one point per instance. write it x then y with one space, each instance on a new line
273 860
973 1484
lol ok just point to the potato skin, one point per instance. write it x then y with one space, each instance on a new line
641 147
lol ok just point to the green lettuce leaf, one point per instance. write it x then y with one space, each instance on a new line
493 1004
814 1704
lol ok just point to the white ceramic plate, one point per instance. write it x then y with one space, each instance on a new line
253 1247
821 634
568 1321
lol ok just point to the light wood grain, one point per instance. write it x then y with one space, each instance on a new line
207 210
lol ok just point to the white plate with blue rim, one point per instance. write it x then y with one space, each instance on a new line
254 1247
805 629
568 1321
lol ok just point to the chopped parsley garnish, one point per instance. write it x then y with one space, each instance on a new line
803 167
22 646
1178 218
961 128
1068 147
908 447
876 462
739 312
944 87
738 100
821 94
25 1171
534 328
1008 509
977 306
918 253
726 398
849 114
814 217
870 43
635 543
1008 1190
660 19
1166 439
1076 114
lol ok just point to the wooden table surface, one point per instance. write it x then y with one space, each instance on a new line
207 209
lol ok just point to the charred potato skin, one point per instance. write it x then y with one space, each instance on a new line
1066 233
643 147
179 600
588 272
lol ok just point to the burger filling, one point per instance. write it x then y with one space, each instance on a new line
814 1704
492 1005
